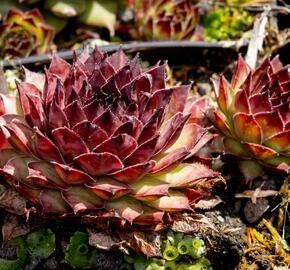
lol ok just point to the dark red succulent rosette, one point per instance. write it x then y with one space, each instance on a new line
102 133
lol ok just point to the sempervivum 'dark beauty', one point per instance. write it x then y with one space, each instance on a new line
253 116
101 133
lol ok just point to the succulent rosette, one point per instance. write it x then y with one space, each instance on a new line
164 19
253 115
101 133
24 33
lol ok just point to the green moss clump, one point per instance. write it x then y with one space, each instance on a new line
226 23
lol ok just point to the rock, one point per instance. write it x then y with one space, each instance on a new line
254 211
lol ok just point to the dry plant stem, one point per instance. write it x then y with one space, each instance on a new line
257 38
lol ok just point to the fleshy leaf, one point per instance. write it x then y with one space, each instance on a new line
186 174
47 170
170 161
260 151
150 216
279 142
234 147
121 145
220 121
149 188
70 143
241 72
270 123
175 201
125 207
52 202
190 136
99 163
133 173
247 128
82 198
109 189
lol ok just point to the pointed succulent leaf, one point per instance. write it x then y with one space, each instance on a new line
149 189
53 202
279 142
260 151
185 175
70 143
174 202
82 198
133 173
220 121
71 176
126 207
170 161
109 189
241 73
247 128
150 217
99 163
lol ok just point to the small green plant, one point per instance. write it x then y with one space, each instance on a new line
40 244
79 254
179 251
22 256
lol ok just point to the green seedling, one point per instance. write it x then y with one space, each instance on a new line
79 254
22 256
41 243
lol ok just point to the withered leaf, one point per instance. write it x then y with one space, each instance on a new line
100 240
147 244
14 226
192 223
208 203
12 202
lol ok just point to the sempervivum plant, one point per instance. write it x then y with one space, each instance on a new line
24 33
105 134
164 19
253 115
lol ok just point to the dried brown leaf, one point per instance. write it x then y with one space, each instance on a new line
207 185
192 223
14 226
11 201
208 203
100 240
147 244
